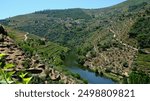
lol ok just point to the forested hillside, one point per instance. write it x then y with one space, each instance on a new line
112 41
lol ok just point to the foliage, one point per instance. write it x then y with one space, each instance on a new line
138 78
24 79
50 52
141 31
6 77
142 61
67 13
81 30
138 6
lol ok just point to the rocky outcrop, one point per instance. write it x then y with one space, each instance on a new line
3 31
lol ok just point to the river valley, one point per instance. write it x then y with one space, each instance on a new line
90 76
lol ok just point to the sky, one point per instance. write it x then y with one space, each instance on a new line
10 8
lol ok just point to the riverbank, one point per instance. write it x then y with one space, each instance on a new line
109 75
90 76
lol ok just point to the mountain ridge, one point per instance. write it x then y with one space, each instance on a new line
102 38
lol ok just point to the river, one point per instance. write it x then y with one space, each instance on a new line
90 76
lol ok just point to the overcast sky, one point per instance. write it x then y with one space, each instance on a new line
9 8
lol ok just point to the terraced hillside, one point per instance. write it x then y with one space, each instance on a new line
39 70
112 41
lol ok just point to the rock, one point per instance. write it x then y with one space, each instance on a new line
126 74
55 77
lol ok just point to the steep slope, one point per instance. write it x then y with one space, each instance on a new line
33 64
106 40
116 51
71 26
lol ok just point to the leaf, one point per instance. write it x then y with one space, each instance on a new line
22 75
9 81
2 55
9 74
7 66
27 80
0 64
3 82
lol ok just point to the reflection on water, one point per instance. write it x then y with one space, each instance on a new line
91 77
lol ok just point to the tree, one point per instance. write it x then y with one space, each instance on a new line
139 77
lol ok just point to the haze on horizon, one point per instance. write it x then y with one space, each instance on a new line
10 8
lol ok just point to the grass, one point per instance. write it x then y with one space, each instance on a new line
143 61
15 34
142 64
143 57
112 76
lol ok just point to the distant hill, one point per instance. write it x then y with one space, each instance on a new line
70 25
56 25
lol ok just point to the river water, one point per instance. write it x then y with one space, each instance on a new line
90 76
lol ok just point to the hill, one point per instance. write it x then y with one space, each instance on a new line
112 41
20 54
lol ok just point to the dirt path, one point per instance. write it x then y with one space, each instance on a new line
115 36
136 49
26 37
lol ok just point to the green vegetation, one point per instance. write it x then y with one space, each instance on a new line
88 33
49 52
12 77
143 61
139 78
68 13
141 31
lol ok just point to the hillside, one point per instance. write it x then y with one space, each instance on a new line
118 51
113 41
18 52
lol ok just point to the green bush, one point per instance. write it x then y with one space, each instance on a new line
138 77
141 32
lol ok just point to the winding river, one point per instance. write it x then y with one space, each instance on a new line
90 76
